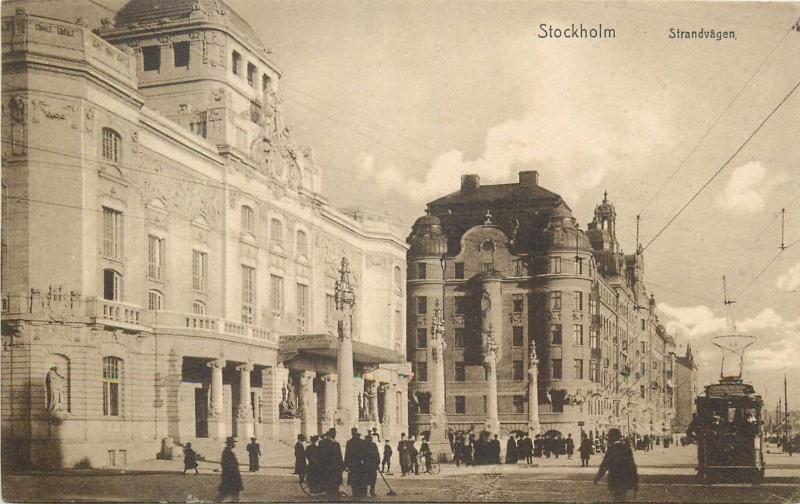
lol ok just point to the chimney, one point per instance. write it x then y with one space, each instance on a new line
529 178
470 183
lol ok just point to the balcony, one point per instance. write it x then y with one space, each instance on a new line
213 325
114 313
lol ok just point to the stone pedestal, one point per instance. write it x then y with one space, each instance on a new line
244 412
216 408
328 402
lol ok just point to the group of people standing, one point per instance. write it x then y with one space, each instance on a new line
481 451
409 455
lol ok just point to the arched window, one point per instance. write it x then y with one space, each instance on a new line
276 231
302 242
198 307
155 300
248 221
112 381
112 285
112 145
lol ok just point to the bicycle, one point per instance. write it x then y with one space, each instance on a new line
436 467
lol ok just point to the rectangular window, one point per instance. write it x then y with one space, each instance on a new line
459 270
458 336
422 305
301 243
519 268
276 231
422 337
302 304
255 112
578 300
518 403
643 324
155 257
517 303
425 403
181 54
555 265
155 301
276 289
112 145
594 371
422 371
593 340
248 294
460 305
578 369
198 308
330 309
151 58
578 265
112 233
112 374
518 336
557 371
251 74
519 370
199 271
112 285
577 330
555 333
555 300
485 404
236 63
422 271
461 372
461 405
644 346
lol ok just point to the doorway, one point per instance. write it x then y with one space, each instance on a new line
201 412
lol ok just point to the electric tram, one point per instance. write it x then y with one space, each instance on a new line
728 426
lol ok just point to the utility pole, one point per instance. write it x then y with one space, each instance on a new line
786 417
783 226
637 233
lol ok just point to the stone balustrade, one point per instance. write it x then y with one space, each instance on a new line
113 311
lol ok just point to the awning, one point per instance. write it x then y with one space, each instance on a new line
327 345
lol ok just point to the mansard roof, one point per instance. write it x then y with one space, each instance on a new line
499 193
145 12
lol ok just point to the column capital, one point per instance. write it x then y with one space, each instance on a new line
245 368
307 375
328 378
217 364
386 387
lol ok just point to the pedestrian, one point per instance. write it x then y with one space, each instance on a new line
313 465
414 456
547 445
374 434
495 450
451 438
511 450
331 465
300 458
354 463
459 449
404 453
469 450
189 459
386 464
585 450
425 450
373 461
527 444
254 452
480 447
231 483
537 446
570 446
618 462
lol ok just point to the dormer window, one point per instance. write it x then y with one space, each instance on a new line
181 54
151 58
236 63
251 75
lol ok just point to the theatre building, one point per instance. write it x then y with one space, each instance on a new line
545 327
169 261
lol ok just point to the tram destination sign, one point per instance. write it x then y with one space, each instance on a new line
737 389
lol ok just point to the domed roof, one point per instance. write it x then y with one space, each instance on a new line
563 233
606 207
144 12
426 237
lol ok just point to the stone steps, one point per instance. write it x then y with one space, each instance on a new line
272 452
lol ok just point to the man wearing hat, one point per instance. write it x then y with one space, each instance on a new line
300 458
253 452
355 463
231 483
330 465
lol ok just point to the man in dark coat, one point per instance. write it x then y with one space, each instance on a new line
386 464
355 464
425 450
189 459
538 445
511 450
373 462
313 465
253 452
300 458
527 448
459 449
231 483
414 456
618 462
330 465
469 450
570 445
495 450
585 450
404 454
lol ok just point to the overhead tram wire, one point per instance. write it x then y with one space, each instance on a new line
724 165
714 123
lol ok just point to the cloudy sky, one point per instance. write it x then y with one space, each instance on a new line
398 99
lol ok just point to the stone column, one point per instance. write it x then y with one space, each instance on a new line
329 400
491 329
216 404
438 440
306 404
372 404
244 412
346 414
389 411
533 392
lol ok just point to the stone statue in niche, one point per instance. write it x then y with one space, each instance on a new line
288 405
55 384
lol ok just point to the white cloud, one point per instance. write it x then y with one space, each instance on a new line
748 187
790 281
692 321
